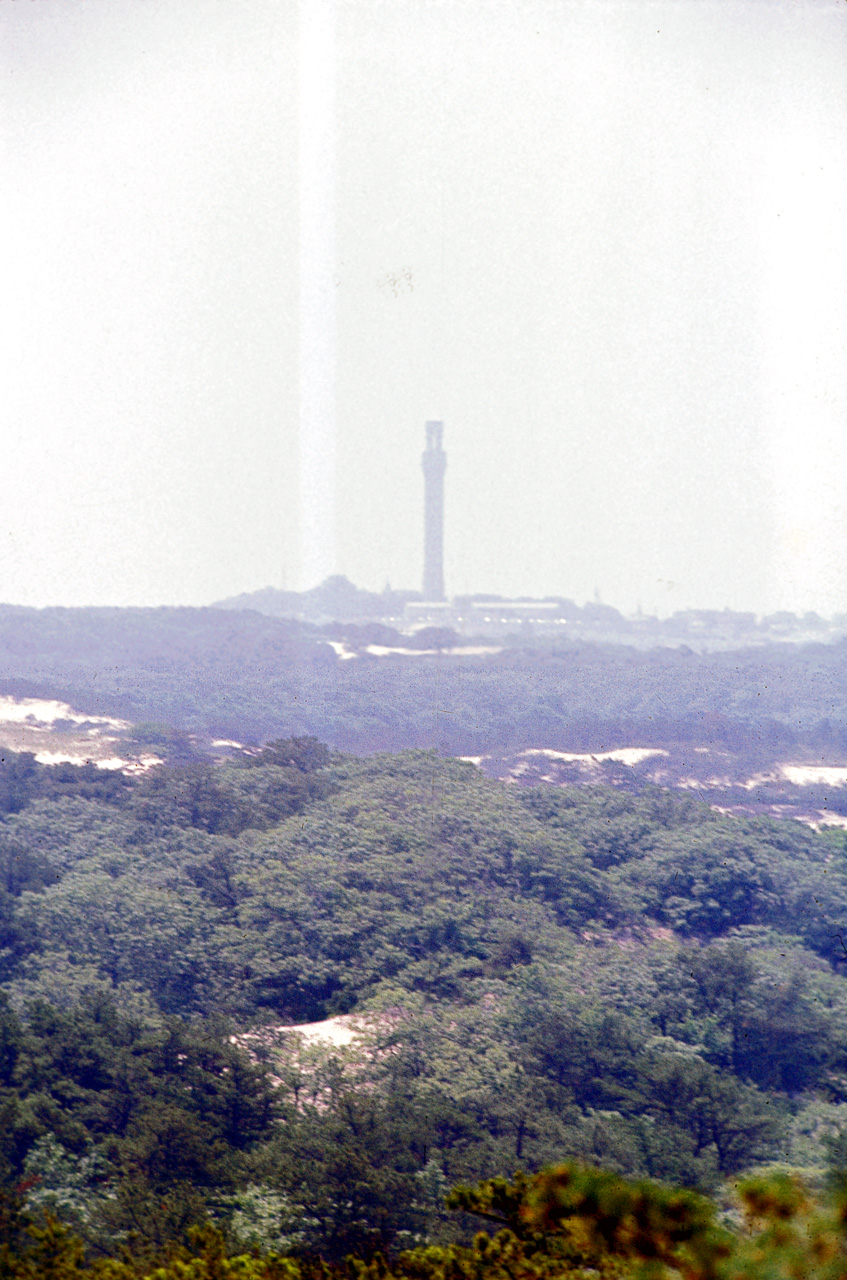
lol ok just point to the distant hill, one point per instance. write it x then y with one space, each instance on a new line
486 615
334 600
239 674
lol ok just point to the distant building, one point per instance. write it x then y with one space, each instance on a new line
421 613
522 610
434 463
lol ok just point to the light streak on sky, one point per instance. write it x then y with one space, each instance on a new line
317 291
247 250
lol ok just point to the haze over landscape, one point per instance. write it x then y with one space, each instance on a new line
603 242
363 917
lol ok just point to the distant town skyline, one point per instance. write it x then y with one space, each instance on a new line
603 242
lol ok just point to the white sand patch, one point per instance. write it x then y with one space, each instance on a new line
140 765
460 651
62 757
632 755
341 650
829 819
757 780
351 1036
803 775
337 1032
473 650
384 651
227 742
45 711
628 756
50 746
344 652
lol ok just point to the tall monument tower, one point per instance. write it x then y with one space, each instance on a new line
434 462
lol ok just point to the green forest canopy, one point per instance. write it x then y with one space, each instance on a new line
635 981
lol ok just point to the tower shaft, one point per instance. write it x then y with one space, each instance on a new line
434 462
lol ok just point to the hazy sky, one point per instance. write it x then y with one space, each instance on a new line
603 240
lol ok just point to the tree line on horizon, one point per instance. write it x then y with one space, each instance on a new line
240 675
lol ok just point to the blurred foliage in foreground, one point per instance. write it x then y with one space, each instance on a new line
568 1220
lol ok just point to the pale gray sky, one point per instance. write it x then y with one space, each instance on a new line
603 240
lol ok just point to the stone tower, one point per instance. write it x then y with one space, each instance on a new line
434 462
